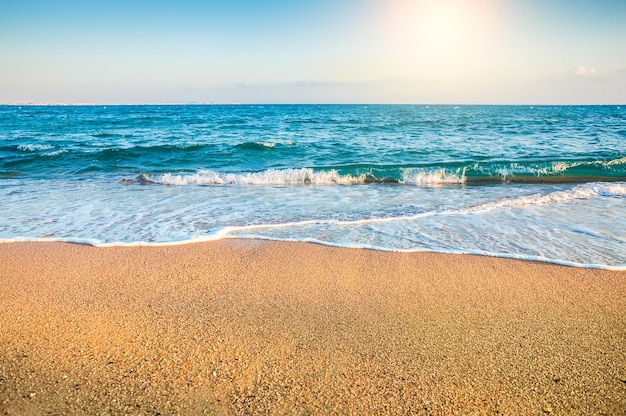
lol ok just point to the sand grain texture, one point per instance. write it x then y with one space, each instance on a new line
253 327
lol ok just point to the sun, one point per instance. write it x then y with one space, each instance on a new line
437 25
440 27
437 36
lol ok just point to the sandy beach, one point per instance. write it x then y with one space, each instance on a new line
254 327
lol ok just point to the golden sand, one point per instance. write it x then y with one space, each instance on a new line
252 327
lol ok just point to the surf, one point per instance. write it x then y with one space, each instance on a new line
476 173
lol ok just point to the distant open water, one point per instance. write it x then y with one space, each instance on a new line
542 183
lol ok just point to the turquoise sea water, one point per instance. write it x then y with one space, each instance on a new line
545 183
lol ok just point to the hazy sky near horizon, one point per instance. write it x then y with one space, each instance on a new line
313 51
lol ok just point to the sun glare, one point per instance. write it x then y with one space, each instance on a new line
440 27
437 33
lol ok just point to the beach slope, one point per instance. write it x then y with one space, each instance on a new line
257 327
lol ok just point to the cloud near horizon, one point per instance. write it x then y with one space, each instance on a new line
583 71
309 83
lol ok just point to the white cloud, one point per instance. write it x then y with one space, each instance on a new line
583 71
306 84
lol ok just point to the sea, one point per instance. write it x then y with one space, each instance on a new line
544 183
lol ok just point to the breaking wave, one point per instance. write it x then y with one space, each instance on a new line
439 175
267 177
30 147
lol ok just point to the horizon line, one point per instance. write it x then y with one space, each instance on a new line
87 104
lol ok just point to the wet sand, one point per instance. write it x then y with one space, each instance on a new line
254 327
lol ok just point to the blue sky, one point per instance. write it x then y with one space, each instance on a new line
322 51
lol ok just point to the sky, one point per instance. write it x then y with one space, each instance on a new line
313 51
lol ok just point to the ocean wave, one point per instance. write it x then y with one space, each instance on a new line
31 147
576 193
263 145
518 172
256 145
429 176
425 177
556 170
266 177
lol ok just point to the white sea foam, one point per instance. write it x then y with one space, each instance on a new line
224 235
30 147
494 221
616 162
437 177
578 192
552 168
542 259
612 189
266 144
266 177
55 152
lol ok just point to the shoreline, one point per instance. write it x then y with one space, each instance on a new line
256 326
223 235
